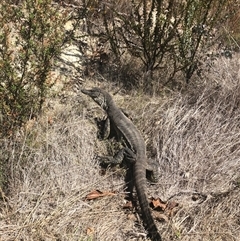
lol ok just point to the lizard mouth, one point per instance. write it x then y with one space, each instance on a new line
94 93
90 93
86 92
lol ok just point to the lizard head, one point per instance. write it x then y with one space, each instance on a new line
100 96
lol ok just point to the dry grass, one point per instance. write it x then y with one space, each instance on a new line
194 136
50 179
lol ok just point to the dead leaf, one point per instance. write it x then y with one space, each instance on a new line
128 205
158 204
97 194
90 231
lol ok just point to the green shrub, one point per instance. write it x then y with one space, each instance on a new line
31 35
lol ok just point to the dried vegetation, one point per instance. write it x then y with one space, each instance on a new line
194 136
50 166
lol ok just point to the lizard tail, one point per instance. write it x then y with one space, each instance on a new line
146 212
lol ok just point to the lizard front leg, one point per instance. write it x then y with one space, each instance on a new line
103 128
123 153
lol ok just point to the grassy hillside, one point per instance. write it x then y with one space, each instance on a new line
51 184
193 135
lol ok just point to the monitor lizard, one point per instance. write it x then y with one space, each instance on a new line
135 150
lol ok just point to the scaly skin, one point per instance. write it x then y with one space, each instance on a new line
136 146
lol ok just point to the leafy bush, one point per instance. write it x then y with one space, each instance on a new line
166 36
31 35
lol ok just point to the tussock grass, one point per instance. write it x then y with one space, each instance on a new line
53 168
193 135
